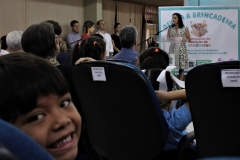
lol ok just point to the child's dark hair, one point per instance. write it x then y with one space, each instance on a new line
25 77
86 25
154 57
92 46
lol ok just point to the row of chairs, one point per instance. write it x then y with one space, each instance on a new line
123 118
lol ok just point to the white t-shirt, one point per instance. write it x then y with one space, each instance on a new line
108 40
3 52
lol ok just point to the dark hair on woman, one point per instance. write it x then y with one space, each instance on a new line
86 25
25 77
92 46
115 26
180 21
4 43
39 39
154 57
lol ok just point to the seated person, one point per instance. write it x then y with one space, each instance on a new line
42 40
92 48
35 98
128 37
177 120
154 57
177 113
13 40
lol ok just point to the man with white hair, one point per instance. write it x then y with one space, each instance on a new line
128 36
13 40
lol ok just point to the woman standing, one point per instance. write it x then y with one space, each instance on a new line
88 29
115 39
181 56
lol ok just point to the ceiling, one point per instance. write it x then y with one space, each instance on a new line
160 2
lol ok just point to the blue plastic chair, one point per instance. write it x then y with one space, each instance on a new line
20 144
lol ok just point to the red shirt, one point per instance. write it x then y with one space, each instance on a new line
85 36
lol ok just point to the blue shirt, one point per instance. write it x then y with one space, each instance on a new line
73 37
177 120
127 54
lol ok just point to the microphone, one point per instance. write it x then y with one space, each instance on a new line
170 26
74 41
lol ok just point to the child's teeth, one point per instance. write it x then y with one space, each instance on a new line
60 143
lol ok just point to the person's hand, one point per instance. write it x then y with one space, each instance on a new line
84 59
162 97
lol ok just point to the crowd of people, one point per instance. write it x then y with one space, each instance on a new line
33 65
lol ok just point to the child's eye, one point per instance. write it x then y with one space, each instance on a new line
36 117
65 103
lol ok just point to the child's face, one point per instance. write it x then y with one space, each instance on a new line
55 124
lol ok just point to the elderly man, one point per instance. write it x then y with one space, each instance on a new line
13 41
128 36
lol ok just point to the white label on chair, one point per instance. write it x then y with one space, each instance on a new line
98 74
231 77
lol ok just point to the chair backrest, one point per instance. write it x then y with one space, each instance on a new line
118 60
20 144
215 108
122 114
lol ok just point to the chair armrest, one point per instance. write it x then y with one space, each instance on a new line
184 143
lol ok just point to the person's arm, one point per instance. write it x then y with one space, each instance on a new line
114 47
168 33
110 48
165 97
84 59
137 62
188 35
68 39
